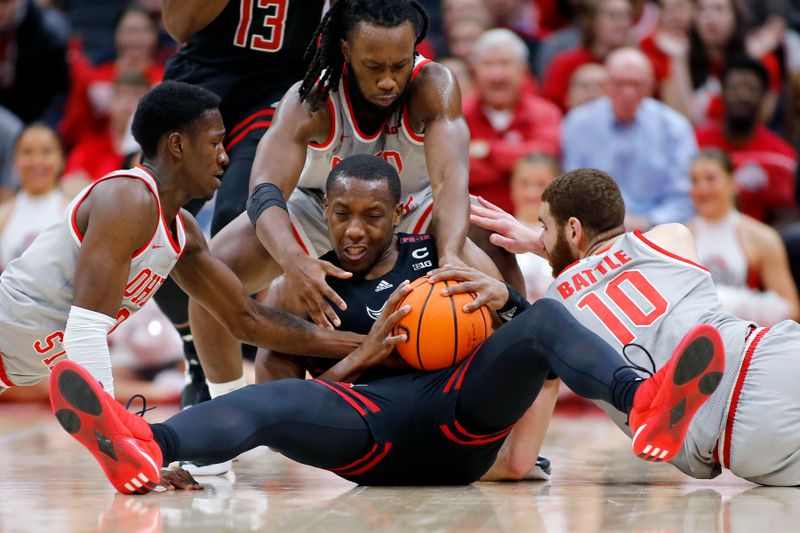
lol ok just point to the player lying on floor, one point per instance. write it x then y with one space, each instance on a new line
120 239
647 290
443 427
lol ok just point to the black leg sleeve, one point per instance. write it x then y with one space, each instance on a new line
506 375
304 420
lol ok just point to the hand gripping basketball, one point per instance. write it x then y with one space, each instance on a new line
440 333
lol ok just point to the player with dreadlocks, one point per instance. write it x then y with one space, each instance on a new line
367 91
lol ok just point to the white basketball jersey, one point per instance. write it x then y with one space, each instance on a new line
637 292
395 142
36 289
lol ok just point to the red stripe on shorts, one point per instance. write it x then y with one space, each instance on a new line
737 390
348 399
4 381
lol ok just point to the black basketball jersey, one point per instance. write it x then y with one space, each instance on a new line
266 36
366 298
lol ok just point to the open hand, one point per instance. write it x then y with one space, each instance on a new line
491 292
509 233
307 275
380 340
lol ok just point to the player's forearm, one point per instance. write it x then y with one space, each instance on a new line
184 18
274 230
347 370
450 218
277 330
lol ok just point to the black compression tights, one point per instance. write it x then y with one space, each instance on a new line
508 371
302 419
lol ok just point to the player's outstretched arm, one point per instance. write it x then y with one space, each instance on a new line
184 18
209 281
436 100
378 344
276 170
117 218
508 232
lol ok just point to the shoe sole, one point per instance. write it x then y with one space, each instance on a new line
695 378
79 410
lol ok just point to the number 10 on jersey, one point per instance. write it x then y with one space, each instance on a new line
616 306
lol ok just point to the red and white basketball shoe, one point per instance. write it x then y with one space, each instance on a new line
122 442
665 404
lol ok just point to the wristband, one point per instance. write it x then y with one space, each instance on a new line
264 196
514 306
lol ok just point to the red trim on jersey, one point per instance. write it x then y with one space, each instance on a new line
299 240
74 214
370 465
255 125
351 113
661 250
332 134
4 381
737 390
407 127
242 123
348 399
424 61
175 246
421 222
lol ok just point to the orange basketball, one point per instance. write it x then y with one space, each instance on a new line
440 333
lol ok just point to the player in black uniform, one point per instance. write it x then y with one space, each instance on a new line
249 56
442 427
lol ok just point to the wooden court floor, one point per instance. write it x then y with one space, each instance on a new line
50 484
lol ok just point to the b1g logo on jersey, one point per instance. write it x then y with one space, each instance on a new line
264 22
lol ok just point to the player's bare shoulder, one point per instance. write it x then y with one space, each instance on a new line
434 91
309 119
674 238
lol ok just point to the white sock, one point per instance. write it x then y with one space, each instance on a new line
218 389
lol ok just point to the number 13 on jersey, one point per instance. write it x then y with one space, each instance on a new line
629 298
263 21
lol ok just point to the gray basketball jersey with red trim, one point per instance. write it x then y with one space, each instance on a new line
636 292
36 289
395 142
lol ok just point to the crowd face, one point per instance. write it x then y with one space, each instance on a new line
742 94
586 84
712 189
136 36
126 98
8 11
677 16
630 80
715 22
499 76
455 10
612 23
528 182
462 35
38 159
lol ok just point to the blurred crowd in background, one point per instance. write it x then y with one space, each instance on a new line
693 106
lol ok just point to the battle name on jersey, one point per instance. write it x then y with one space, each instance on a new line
585 278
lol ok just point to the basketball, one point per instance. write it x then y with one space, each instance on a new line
440 334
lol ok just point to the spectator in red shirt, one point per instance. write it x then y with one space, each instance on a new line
505 121
765 164
108 150
606 27
89 100
718 35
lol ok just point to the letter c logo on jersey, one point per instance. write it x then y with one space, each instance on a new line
420 253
